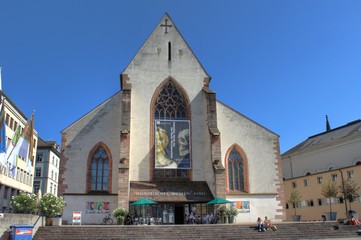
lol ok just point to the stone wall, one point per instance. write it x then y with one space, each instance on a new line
7 219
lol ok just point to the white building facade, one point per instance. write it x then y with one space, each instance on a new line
23 180
47 167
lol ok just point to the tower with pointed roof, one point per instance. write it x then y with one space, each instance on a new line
165 136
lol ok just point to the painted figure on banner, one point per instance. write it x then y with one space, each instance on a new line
161 158
183 146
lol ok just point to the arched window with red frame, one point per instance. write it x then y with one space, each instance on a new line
237 170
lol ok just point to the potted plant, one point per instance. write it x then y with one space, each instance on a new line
51 206
224 214
119 214
295 199
330 190
232 212
24 203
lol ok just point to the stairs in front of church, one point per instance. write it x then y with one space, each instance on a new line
302 230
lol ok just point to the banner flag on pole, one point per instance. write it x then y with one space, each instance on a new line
22 146
10 152
2 135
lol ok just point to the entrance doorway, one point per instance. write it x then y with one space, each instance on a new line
179 214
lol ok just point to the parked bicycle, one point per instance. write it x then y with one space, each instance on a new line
108 219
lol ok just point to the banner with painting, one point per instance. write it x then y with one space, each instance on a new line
242 206
97 207
172 144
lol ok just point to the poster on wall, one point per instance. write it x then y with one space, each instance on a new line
172 144
242 206
97 207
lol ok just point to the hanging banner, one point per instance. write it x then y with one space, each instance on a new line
172 144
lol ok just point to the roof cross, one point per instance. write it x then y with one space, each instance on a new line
166 26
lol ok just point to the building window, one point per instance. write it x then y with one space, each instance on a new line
52 174
7 120
51 188
349 174
334 177
56 177
305 182
38 172
170 104
36 187
319 180
294 185
40 157
11 123
319 202
236 170
6 192
56 162
99 171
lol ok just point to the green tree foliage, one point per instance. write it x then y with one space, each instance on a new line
24 203
351 190
295 198
51 205
329 190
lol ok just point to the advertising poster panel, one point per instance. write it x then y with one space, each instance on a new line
97 207
172 144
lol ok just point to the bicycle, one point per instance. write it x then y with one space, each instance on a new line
107 219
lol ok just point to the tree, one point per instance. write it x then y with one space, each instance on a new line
329 190
295 198
350 191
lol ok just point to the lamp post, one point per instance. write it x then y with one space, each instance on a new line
344 194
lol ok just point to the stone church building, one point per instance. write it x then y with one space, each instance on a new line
165 136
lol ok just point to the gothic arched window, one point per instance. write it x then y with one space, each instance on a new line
99 174
170 104
237 170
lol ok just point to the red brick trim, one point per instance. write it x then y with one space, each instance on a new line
62 166
279 181
151 128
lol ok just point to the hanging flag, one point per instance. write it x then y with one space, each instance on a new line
21 147
11 152
2 135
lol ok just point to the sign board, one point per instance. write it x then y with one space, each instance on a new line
77 217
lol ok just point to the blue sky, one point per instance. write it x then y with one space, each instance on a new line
284 64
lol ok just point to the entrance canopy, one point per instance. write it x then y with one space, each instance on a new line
219 201
144 201
171 191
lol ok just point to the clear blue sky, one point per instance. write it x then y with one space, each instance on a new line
283 63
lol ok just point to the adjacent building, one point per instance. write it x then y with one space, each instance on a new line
23 178
165 136
333 155
47 167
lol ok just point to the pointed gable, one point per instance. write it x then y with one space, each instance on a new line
166 51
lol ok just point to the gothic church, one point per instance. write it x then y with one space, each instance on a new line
165 137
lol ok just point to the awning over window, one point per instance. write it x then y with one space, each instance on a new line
171 191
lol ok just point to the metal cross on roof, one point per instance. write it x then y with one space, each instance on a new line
166 26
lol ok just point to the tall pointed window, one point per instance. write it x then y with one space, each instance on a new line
170 104
237 171
99 171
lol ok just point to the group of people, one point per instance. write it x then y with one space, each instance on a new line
354 221
265 225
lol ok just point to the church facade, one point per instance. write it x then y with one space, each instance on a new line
164 136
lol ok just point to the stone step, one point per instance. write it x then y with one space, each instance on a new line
316 230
